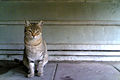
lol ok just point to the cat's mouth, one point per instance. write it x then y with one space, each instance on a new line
33 37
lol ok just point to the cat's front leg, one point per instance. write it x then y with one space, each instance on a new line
31 69
40 68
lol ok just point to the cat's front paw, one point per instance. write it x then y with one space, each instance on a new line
30 75
39 74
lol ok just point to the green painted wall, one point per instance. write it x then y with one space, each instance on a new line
59 11
15 10
65 34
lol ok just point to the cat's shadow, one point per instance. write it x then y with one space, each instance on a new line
11 66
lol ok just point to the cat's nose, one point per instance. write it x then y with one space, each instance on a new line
33 35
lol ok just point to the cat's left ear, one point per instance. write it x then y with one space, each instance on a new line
40 23
27 23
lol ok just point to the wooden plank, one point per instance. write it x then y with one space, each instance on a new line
96 1
69 53
67 58
68 1
83 53
67 46
10 52
12 46
18 73
83 58
86 71
66 22
82 47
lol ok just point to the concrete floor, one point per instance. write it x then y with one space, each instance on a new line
64 71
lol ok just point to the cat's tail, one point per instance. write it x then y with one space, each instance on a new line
18 61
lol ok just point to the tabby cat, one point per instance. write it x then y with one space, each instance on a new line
35 55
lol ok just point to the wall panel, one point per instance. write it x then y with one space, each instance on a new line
15 10
74 30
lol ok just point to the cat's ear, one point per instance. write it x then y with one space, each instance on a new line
40 23
27 23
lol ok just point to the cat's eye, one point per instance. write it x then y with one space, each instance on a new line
29 30
37 32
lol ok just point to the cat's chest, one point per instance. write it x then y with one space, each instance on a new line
34 49
34 52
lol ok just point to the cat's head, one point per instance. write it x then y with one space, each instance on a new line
33 30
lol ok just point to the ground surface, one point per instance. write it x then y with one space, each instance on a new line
64 71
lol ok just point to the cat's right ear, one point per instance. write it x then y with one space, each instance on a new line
27 23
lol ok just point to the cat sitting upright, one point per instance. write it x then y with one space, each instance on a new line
35 55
